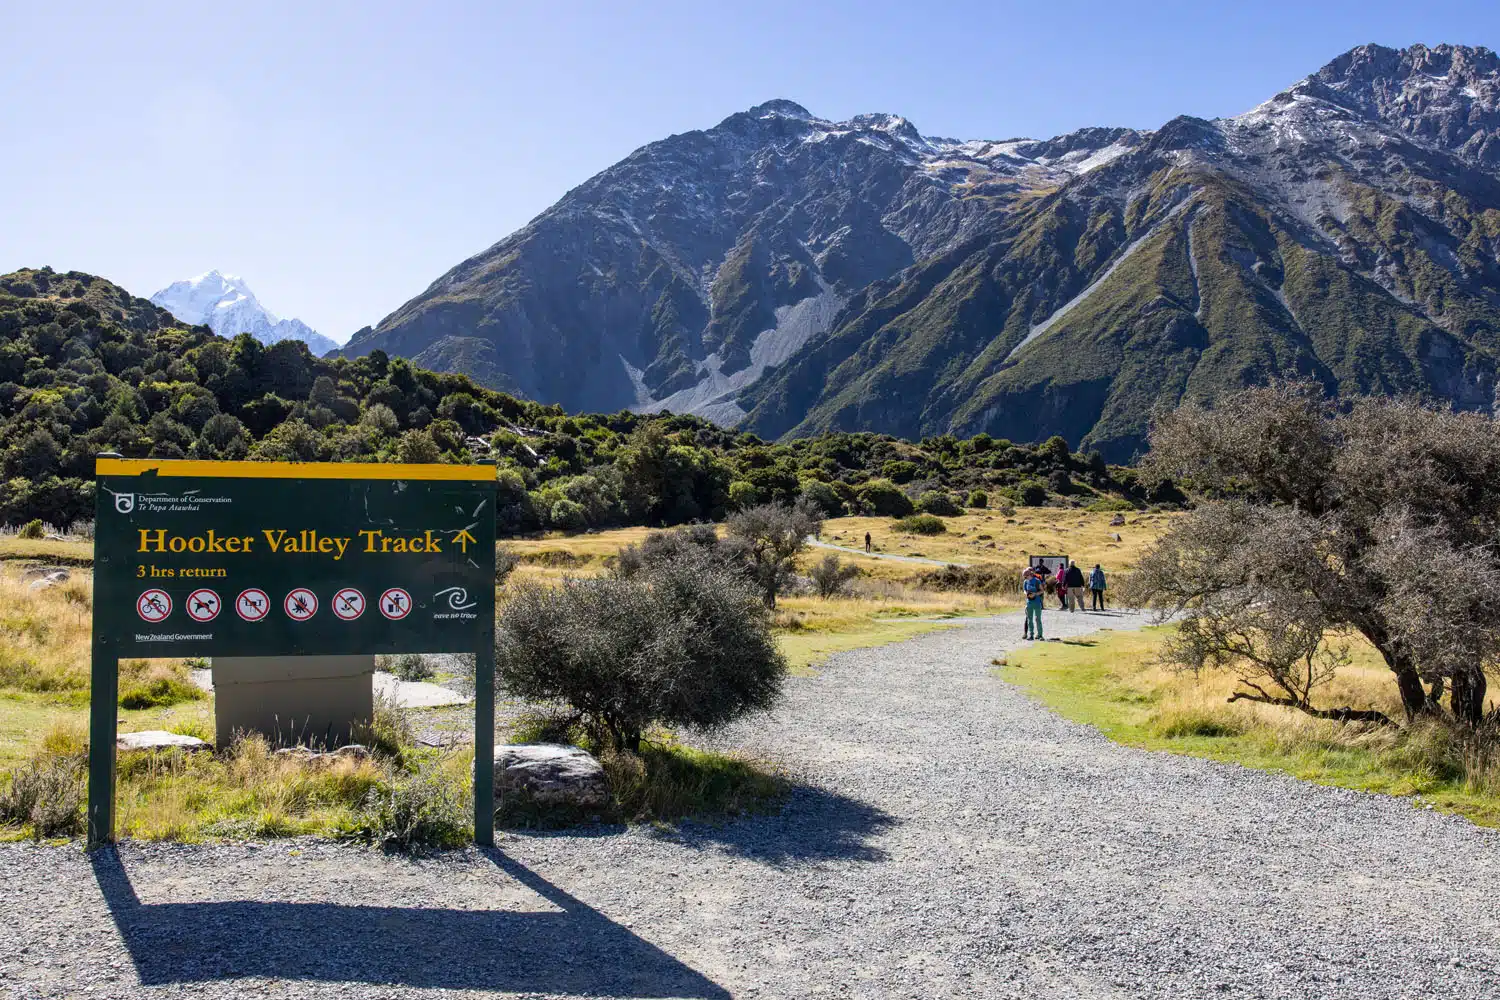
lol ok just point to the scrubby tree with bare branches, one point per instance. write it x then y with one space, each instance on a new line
1381 517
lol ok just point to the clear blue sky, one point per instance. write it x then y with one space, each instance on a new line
342 156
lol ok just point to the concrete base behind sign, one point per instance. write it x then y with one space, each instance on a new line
312 700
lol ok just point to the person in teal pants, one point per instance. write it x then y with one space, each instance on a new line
1034 589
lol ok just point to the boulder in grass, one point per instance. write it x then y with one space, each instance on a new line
550 774
159 739
1117 521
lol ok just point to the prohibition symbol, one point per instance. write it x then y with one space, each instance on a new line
395 604
253 604
153 605
348 604
203 605
301 604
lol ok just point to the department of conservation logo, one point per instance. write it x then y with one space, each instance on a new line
124 502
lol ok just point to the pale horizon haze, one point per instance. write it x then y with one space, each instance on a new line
340 157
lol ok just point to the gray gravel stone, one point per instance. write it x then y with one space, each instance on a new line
950 839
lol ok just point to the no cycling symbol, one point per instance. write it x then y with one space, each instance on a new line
154 605
348 604
301 604
203 605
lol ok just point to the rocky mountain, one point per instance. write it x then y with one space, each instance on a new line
790 274
226 304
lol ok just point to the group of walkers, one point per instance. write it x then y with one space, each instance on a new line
1067 585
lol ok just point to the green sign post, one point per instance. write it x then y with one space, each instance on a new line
290 559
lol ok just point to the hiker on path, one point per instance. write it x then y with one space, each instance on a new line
1074 579
1096 587
867 541
1033 587
1062 586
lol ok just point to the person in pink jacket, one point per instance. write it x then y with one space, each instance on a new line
1062 585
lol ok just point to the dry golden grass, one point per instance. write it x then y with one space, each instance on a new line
71 552
1086 537
1117 683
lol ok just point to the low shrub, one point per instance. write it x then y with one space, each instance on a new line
1179 723
979 499
1105 505
32 529
506 561
682 643
970 579
884 498
427 809
158 684
831 575
47 792
920 524
409 666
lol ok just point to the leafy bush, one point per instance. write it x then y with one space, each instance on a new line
32 529
830 575
920 524
566 515
681 643
979 499
938 502
1033 495
884 498
820 497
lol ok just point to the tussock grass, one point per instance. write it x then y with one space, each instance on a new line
1117 684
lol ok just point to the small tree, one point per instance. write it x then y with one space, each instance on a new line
1381 518
773 535
831 575
683 643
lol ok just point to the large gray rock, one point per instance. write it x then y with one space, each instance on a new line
159 739
550 774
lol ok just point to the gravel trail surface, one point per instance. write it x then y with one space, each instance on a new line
952 839
892 557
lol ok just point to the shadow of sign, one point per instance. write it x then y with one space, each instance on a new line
576 951
815 825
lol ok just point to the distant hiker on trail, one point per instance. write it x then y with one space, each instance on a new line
1033 586
1074 579
867 541
1096 587
1062 586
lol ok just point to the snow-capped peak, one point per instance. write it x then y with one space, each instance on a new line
227 305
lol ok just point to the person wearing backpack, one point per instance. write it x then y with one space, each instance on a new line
1074 579
1034 588
1096 587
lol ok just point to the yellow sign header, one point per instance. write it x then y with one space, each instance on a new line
168 467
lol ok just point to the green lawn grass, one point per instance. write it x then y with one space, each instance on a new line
1111 681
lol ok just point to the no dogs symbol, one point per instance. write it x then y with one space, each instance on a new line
348 604
154 605
301 604
203 605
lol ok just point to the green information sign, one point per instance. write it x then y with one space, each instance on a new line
290 559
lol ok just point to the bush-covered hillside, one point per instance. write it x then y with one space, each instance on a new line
85 367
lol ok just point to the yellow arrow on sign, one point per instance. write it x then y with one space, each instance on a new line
462 539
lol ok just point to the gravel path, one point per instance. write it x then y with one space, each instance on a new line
954 839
